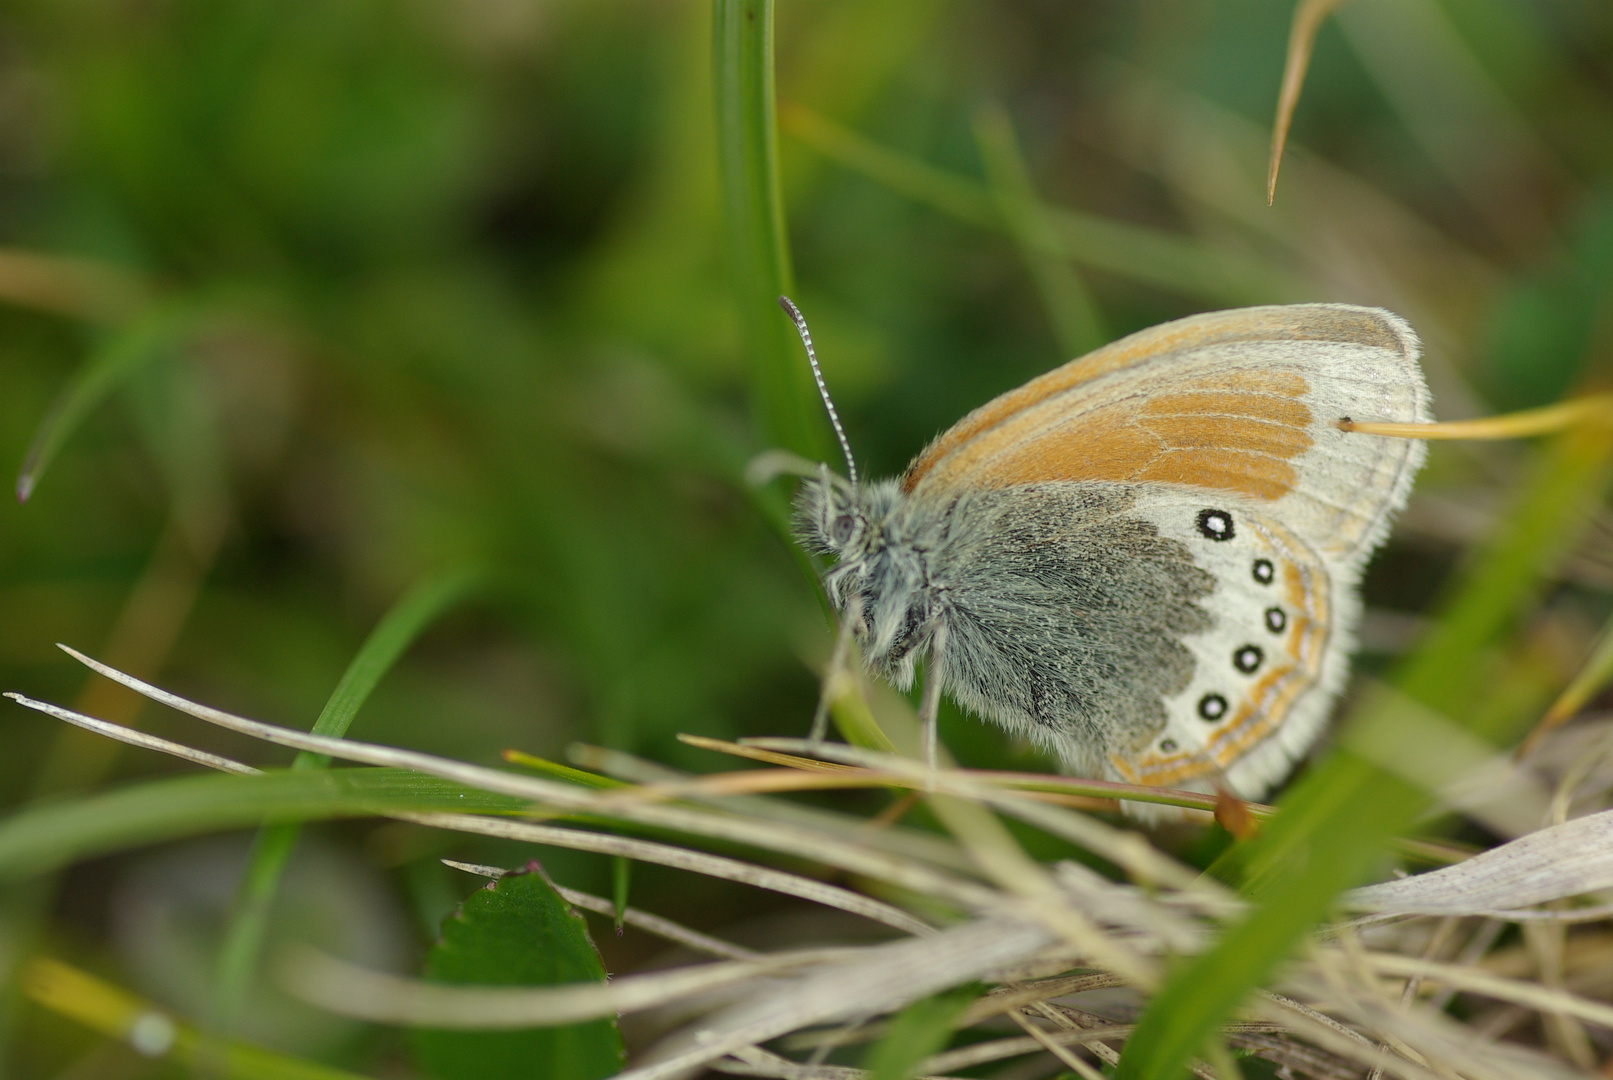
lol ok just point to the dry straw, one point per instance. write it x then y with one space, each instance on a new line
1069 955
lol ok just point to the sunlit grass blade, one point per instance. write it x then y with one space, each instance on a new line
1070 308
1336 823
272 848
155 1035
122 354
1597 408
757 247
559 771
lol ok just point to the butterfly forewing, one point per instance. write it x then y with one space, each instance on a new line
1244 402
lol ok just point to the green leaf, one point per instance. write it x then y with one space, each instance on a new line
918 1031
518 932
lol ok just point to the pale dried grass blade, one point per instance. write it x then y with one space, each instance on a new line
1063 1053
930 847
1001 857
751 1061
131 737
1412 741
680 858
349 990
647 851
1450 1048
1593 675
884 978
1337 1038
1564 860
1013 997
794 841
1308 19
1122 847
1473 981
997 1049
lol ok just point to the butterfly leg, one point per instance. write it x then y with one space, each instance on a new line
930 704
837 666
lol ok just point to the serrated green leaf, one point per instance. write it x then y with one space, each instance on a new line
517 931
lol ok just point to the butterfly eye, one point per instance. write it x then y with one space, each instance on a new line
844 525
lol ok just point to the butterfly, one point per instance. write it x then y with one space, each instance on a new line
1147 561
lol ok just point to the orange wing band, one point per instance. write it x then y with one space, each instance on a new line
1238 431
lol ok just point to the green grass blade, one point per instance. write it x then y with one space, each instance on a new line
621 879
122 354
392 636
757 249
562 772
1337 822
518 931
1150 256
47 837
918 1031
1070 307
249 923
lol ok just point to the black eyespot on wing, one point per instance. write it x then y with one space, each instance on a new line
842 528
1247 658
1276 620
1264 572
1167 746
1212 706
1216 524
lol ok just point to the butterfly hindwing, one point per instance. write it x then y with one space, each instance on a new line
1266 666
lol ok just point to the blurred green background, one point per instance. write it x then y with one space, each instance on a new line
383 288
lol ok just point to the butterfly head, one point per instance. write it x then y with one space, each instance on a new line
880 580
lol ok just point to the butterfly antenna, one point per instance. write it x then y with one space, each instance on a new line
823 391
